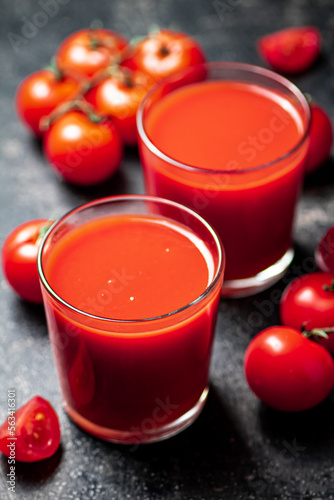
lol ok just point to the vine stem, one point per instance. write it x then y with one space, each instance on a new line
317 332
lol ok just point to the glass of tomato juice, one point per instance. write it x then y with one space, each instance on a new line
131 287
229 140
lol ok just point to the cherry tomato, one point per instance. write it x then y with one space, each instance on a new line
288 371
324 253
82 151
164 52
40 93
32 433
19 259
291 50
321 138
309 301
87 51
119 96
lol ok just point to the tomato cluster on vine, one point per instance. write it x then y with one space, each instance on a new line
84 105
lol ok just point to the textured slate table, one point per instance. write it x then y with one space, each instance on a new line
238 449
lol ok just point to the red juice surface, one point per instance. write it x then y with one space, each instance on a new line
130 267
224 125
228 129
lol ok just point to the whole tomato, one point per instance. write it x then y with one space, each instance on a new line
324 253
118 96
87 51
309 301
163 53
40 93
32 432
82 150
19 259
288 371
321 138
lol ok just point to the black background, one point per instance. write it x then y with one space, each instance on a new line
238 448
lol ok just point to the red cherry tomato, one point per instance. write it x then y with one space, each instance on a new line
321 138
119 97
81 151
32 433
19 259
40 93
324 253
287 371
306 300
309 300
87 51
164 52
291 50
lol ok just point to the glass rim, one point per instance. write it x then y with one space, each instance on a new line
246 67
142 198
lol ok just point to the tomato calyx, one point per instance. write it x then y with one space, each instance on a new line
316 332
164 51
59 75
136 39
121 74
95 44
329 288
44 230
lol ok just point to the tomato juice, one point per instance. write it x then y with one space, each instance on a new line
131 302
230 144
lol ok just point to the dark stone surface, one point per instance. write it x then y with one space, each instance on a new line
238 449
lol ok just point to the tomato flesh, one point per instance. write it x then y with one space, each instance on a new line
37 434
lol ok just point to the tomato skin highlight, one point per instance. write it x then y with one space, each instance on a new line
19 259
287 371
324 253
37 431
83 152
163 53
39 94
291 50
86 52
321 138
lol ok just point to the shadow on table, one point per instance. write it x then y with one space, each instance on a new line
321 177
313 428
30 316
210 448
34 472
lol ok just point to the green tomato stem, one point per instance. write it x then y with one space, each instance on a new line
317 332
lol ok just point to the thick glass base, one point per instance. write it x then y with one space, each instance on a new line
143 435
263 280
